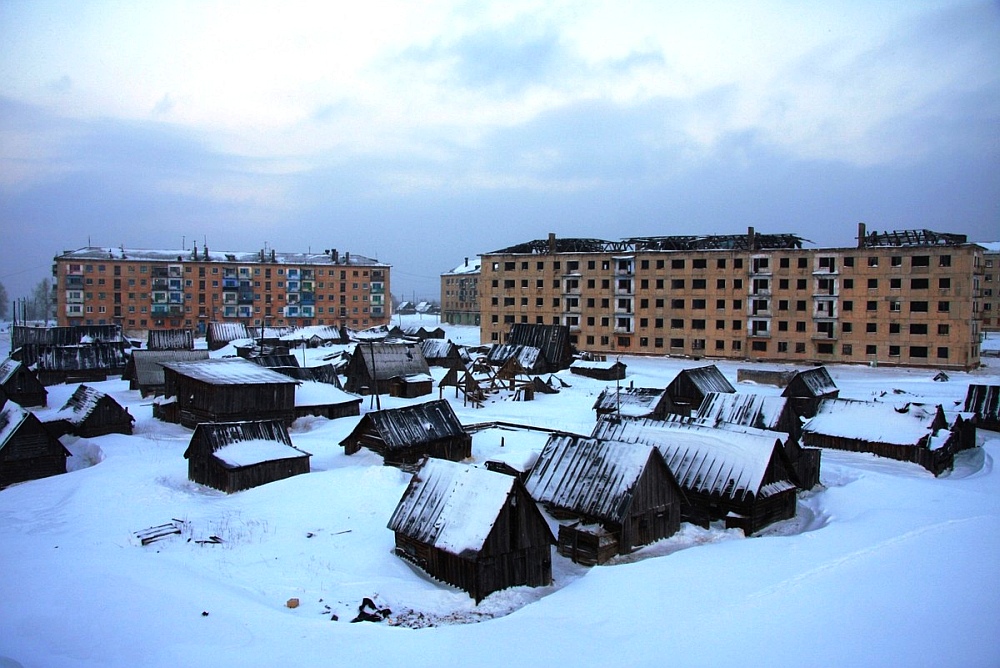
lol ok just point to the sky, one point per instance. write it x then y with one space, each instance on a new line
423 133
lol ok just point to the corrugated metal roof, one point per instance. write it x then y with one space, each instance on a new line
451 506
984 401
753 410
588 476
80 405
412 425
634 401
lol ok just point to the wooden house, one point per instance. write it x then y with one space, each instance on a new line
422 333
804 463
599 369
472 528
617 496
751 410
27 450
84 362
910 433
983 401
808 388
89 413
552 340
233 456
170 339
228 390
439 352
144 370
388 368
325 400
744 479
690 387
20 384
647 402
517 360
404 436
220 334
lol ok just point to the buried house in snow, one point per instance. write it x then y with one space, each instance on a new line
404 436
89 413
27 450
472 528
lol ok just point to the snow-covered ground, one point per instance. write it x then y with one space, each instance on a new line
884 565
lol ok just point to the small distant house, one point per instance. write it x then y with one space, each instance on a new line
404 436
233 456
984 402
808 388
221 334
27 450
325 400
647 402
89 413
227 390
617 496
517 360
751 410
20 384
599 369
690 387
472 528
552 340
439 352
170 339
406 308
423 333
910 433
744 479
388 368
144 370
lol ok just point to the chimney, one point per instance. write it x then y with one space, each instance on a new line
466 262
204 252
194 251
751 238
335 256
272 255
347 258
552 243
862 232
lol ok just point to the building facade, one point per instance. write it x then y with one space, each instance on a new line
898 298
154 289
460 294
991 287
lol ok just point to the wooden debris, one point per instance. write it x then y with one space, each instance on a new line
159 532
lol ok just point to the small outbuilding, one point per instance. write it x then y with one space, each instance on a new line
751 410
325 400
472 528
170 339
404 436
553 341
233 456
144 370
440 352
983 401
617 496
396 369
89 413
599 369
85 362
19 383
808 388
221 334
690 387
27 450
647 402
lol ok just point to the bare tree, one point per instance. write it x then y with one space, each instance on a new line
40 304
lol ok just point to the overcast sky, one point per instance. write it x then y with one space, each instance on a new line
420 133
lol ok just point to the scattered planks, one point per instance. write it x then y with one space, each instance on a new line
159 532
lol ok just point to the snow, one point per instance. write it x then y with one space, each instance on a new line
255 451
312 393
871 421
884 564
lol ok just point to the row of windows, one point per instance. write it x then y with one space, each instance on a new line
144 269
759 264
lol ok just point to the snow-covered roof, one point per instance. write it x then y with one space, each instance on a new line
526 356
596 364
814 382
322 332
237 444
313 393
702 459
592 477
435 348
410 426
11 417
391 360
80 405
148 363
632 401
705 378
752 410
227 371
873 422
451 506
8 368
990 246
255 451
203 255
472 265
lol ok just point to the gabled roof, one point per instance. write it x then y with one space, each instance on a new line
81 404
812 382
8 368
392 360
148 363
552 340
274 360
588 476
227 371
703 459
11 418
227 331
314 393
414 425
527 356
237 444
451 506
436 348
633 401
983 400
752 410
705 378
874 422
170 339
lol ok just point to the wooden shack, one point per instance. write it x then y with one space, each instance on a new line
221 334
808 388
751 410
910 433
19 383
983 401
325 400
514 360
170 339
599 369
144 370
439 352
89 413
647 402
804 463
233 456
27 450
404 436
744 479
228 390
421 333
472 528
618 496
553 341
78 363
690 387
388 368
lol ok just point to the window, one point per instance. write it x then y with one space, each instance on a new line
782 346
918 307
737 284
783 283
944 307
736 345
849 261
759 346
918 351
737 264
847 349
700 263
676 343
872 283
942 352
871 327
872 261
720 345
871 349
800 305
800 326
824 348
677 264
737 324
698 284
896 261
894 328
677 284
720 263
782 325
697 324
783 263
782 304
944 283
720 324
698 304
848 306
800 347
872 305
848 283
919 283
920 261
677 303
720 303
944 261
676 323
803 263
918 329
943 329
800 284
